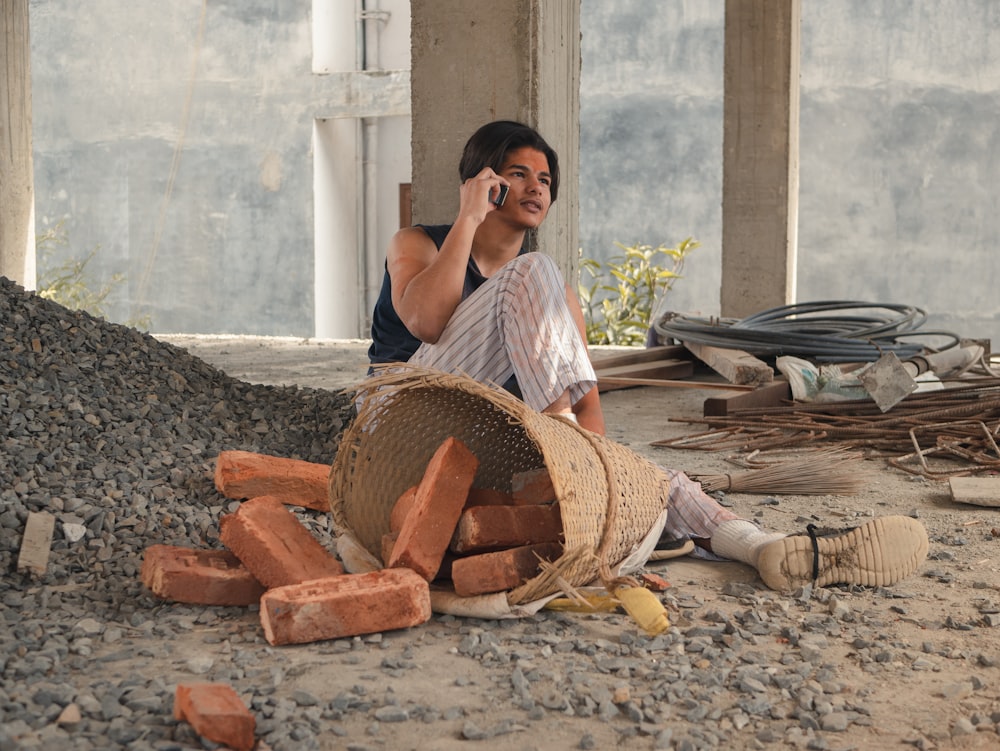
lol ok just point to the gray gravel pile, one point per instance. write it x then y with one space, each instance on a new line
116 433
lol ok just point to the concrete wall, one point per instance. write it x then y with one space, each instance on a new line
181 145
900 154
901 157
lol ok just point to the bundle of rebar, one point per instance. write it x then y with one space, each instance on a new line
938 434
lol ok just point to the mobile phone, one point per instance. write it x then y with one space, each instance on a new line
501 196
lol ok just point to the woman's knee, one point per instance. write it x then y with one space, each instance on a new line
539 268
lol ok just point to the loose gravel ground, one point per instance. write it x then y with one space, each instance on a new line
115 433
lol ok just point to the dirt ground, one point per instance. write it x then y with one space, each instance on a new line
924 659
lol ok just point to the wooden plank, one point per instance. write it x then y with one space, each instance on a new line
619 381
35 544
663 370
772 395
649 363
979 491
601 360
735 365
658 369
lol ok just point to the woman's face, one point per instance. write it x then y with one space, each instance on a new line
529 198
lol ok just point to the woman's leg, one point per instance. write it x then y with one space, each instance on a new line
879 552
717 531
517 322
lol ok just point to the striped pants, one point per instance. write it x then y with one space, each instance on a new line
692 513
517 323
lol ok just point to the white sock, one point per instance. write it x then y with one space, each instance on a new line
741 540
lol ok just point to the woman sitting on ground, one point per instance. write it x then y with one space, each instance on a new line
468 298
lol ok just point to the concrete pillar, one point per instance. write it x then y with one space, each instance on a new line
17 192
473 61
760 155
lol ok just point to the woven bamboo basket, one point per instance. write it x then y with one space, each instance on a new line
609 496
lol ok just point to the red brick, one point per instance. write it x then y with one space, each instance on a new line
217 713
347 605
483 528
401 508
274 545
198 577
244 474
532 487
488 497
427 530
500 570
654 582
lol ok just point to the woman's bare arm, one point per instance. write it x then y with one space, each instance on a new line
427 283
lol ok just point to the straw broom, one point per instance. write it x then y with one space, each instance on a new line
830 472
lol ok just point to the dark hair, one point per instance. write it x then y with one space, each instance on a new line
489 146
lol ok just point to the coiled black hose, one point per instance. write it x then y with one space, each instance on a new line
812 330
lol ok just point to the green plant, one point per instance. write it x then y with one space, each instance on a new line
624 291
68 283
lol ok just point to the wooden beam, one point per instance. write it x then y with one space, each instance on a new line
773 395
660 371
735 365
692 384
603 360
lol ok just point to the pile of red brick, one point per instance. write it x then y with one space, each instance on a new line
482 540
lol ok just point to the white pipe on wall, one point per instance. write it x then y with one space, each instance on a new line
359 159
371 60
371 250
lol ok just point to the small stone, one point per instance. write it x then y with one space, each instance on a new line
391 713
73 532
472 732
304 699
90 626
953 691
70 716
963 726
199 665
112 635
836 722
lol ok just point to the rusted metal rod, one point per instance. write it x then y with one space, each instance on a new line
955 420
